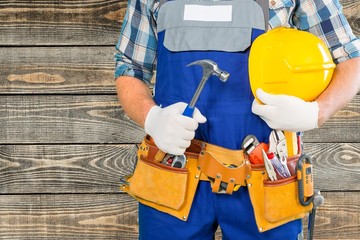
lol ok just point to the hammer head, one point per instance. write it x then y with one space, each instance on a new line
211 68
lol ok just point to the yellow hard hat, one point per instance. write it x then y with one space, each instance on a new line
291 62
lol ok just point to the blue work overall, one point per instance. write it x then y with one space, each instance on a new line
184 37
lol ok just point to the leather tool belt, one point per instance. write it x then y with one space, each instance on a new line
172 190
226 169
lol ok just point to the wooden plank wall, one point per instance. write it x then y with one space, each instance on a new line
65 141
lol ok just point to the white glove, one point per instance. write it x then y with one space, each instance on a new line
284 112
171 131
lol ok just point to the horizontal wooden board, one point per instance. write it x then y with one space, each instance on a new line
63 70
64 168
99 119
65 216
65 119
336 166
36 169
114 216
67 22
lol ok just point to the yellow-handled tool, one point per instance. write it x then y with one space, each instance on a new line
291 143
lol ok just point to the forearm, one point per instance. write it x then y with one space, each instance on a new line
135 98
343 87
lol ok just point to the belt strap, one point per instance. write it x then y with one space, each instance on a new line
222 166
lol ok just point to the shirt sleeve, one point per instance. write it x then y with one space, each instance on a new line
326 20
136 48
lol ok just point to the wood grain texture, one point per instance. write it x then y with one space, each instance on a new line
114 216
65 141
59 23
99 119
68 216
65 119
339 217
336 166
95 22
58 70
34 169
351 10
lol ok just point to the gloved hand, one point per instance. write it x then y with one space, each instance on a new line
171 131
287 113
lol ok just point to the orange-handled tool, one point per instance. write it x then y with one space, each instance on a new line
304 173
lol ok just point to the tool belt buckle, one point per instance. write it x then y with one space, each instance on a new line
225 178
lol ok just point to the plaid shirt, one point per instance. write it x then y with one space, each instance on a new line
136 48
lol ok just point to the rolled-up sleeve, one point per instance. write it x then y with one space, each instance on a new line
326 20
136 48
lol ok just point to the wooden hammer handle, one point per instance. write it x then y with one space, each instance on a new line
159 156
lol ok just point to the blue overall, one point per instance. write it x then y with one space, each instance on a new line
227 107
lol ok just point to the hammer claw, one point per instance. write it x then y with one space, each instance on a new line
209 68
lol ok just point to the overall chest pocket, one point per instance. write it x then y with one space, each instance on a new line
209 25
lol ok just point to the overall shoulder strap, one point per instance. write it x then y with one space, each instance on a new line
265 7
161 2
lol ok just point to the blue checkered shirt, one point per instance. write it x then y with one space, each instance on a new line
136 48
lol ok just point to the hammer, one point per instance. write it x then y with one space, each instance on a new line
209 68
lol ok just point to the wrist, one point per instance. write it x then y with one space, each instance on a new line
144 112
149 118
315 110
323 116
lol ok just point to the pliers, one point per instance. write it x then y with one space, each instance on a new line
269 167
277 144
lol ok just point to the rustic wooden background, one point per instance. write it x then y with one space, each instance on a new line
65 141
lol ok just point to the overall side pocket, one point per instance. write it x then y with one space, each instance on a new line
281 200
275 202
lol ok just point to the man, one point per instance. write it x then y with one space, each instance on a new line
163 40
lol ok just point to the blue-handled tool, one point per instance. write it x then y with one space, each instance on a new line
209 68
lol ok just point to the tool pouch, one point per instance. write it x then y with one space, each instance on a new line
275 202
167 189
226 169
